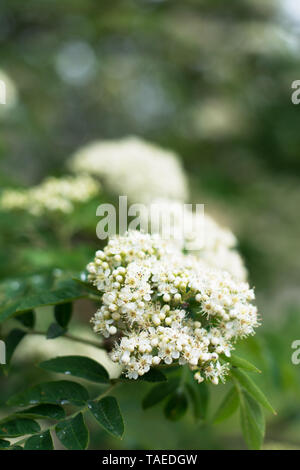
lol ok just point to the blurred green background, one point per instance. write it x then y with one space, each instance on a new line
211 80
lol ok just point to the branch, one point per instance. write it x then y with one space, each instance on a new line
89 342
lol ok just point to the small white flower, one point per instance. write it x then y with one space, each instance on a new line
198 377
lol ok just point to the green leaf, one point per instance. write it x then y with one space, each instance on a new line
57 393
55 412
27 319
16 427
78 366
4 444
55 331
194 399
252 421
199 400
73 433
42 441
12 341
67 292
252 388
87 285
176 406
237 361
154 375
107 413
228 406
199 395
63 314
159 393
203 396
11 289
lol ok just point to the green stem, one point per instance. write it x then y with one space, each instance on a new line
167 366
94 297
184 375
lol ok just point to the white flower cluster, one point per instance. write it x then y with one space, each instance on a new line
133 168
53 195
163 306
198 234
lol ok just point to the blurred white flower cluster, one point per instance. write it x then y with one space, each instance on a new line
53 195
134 168
198 234
162 306
9 93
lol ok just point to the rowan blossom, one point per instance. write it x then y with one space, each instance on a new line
163 306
